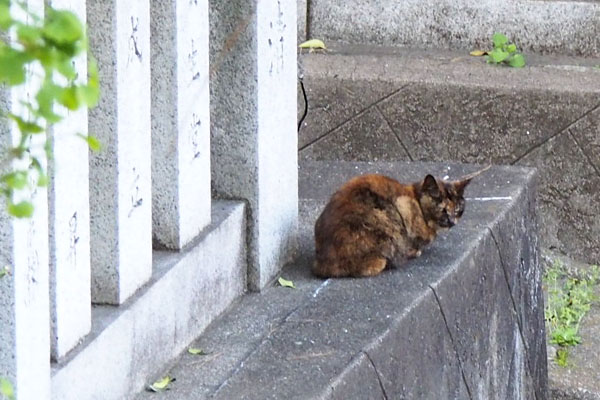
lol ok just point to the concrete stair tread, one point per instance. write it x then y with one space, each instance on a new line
325 337
405 65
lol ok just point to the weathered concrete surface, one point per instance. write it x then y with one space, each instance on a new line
187 291
391 104
463 321
562 27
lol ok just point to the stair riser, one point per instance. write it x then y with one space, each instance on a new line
557 27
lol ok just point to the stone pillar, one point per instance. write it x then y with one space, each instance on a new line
120 186
302 20
69 227
180 121
253 123
24 299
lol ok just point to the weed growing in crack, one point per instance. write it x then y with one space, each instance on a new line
505 52
570 297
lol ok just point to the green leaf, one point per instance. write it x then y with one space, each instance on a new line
15 180
45 98
517 61
499 40
313 44
23 209
92 141
28 35
6 389
3 272
285 283
66 68
12 66
88 94
497 56
91 92
69 98
26 126
566 336
62 27
511 48
196 351
161 384
42 180
561 357
5 19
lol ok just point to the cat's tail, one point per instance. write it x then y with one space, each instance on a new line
472 175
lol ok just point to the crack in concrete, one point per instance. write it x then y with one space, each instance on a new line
454 346
385 396
514 303
387 122
552 136
587 157
260 343
358 114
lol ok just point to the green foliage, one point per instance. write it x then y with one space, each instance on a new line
505 52
6 389
569 299
561 356
41 50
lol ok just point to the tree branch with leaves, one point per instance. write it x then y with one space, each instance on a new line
40 49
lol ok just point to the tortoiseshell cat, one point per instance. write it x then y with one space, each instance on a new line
373 221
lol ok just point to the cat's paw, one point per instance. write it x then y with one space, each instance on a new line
414 253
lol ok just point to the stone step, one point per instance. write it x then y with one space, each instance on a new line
188 290
463 321
540 26
367 103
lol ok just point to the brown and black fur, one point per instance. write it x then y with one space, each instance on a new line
374 221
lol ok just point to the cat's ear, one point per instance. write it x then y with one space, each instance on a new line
460 186
430 187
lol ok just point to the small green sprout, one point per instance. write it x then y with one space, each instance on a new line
505 52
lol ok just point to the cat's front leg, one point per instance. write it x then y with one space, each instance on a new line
403 256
